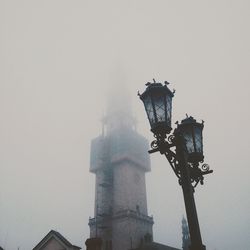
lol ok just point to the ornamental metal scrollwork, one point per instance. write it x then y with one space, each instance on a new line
171 138
205 167
196 170
154 144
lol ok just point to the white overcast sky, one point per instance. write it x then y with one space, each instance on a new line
58 59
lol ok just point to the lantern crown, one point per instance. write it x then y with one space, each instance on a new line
157 86
190 120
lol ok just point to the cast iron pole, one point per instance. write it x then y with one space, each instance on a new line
188 194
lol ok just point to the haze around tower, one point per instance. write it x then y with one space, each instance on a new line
57 61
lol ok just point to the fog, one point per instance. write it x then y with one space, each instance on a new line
58 61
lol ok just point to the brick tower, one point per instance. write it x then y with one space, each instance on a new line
119 159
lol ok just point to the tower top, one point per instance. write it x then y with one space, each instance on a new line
119 113
119 99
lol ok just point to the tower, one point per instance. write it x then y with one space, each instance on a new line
185 234
119 159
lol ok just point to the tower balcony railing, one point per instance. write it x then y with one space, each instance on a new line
133 214
122 214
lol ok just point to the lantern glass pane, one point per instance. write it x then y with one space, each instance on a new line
198 139
149 109
168 109
159 105
189 140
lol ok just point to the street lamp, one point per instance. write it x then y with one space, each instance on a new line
183 149
157 101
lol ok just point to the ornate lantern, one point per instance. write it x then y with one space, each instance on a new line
192 133
157 100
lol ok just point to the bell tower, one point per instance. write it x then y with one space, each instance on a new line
119 159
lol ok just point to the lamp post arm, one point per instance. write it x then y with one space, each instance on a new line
164 147
173 164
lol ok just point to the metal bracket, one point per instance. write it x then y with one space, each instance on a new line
165 145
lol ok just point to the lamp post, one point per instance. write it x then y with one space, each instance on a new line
183 149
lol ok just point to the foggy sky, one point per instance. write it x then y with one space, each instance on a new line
58 60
